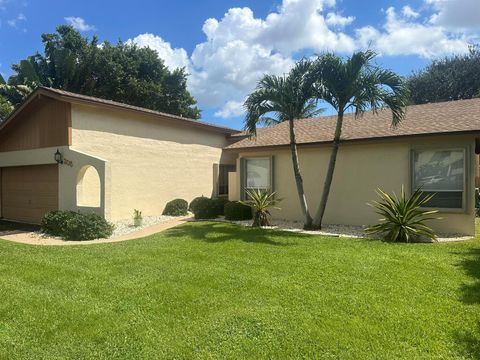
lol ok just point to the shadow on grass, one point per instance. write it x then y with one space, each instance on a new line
471 266
10 227
470 294
212 232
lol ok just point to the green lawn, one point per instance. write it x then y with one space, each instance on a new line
214 290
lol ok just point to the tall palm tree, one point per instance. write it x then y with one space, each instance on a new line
284 98
359 85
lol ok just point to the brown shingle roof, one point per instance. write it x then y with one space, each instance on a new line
436 118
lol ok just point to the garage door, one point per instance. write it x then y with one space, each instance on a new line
28 192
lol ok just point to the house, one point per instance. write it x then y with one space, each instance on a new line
61 150
113 157
434 148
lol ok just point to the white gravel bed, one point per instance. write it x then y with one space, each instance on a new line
335 230
125 226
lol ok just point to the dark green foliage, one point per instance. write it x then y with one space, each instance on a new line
70 225
5 108
219 205
402 218
205 208
53 222
177 207
236 211
121 72
451 78
193 204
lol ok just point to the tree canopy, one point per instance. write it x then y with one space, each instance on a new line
451 78
121 72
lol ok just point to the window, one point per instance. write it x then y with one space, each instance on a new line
440 172
223 171
257 174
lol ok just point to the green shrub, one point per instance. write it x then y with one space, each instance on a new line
235 210
402 218
53 222
177 207
195 202
71 225
205 208
219 205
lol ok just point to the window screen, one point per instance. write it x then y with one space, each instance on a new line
440 172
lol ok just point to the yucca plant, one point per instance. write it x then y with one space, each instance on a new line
403 220
261 202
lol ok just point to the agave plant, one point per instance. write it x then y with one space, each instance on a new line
403 219
260 201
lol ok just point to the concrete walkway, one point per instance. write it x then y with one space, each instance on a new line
35 238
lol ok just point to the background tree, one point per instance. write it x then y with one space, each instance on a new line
284 98
11 96
451 78
354 84
120 72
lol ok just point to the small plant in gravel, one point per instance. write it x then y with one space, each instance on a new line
403 220
261 202
137 218
71 225
177 207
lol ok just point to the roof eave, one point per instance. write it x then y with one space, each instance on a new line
347 141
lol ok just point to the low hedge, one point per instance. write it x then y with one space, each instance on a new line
71 225
236 211
207 208
193 204
177 207
219 205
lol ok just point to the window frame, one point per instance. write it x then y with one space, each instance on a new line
243 173
464 149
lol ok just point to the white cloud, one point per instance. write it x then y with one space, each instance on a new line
15 22
239 47
334 19
401 36
230 109
173 58
408 12
456 15
79 24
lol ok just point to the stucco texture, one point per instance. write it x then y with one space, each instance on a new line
362 168
151 161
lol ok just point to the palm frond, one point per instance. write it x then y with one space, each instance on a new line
402 216
261 202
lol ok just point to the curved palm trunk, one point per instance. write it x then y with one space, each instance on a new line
317 221
298 178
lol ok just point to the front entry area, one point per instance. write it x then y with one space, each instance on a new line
28 192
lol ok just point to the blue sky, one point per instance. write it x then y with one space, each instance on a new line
227 45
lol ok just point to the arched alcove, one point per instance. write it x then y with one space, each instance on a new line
88 187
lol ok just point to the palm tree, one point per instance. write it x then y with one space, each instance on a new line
284 98
354 84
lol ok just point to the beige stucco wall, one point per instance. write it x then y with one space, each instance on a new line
151 161
362 168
